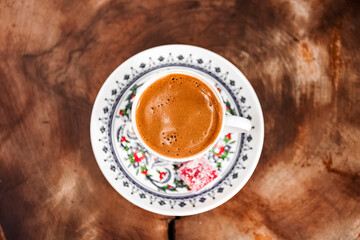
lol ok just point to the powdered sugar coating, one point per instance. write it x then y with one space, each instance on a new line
197 173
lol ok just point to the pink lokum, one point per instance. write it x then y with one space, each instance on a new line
197 173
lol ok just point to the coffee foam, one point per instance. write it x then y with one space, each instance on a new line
178 116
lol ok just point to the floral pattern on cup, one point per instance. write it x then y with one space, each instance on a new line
162 176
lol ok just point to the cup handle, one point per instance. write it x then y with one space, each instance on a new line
237 124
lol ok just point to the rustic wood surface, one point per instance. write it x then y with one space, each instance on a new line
301 56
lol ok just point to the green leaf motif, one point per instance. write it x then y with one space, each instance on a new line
213 151
224 155
131 157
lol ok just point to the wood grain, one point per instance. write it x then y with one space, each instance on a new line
302 58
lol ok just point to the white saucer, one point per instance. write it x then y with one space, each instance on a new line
151 183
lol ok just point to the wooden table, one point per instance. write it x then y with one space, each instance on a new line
302 58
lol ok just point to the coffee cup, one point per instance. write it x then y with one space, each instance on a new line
226 123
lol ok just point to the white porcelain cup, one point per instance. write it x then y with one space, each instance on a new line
229 123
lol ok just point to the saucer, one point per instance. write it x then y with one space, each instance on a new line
152 183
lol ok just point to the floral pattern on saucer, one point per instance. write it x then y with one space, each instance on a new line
153 183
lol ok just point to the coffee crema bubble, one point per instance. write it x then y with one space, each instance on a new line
178 116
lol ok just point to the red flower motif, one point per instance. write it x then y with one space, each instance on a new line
162 174
132 96
137 158
219 89
123 139
121 112
228 136
169 186
144 172
221 150
227 107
